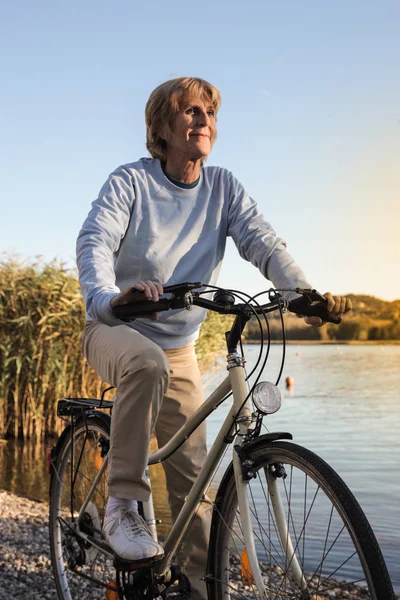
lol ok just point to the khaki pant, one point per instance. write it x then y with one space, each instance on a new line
160 389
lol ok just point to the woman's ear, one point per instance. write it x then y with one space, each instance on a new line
163 132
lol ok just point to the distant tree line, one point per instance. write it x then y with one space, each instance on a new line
371 319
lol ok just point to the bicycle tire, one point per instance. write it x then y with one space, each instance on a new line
65 549
327 561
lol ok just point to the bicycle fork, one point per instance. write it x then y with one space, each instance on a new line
244 420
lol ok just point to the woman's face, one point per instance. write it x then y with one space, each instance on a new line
193 131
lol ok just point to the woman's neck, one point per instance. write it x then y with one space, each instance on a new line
187 171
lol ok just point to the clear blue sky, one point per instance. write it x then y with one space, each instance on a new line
310 120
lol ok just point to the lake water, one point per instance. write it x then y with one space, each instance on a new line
344 406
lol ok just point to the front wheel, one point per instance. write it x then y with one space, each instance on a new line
317 545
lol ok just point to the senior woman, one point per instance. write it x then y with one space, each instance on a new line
159 221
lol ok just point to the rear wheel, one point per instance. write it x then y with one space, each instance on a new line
323 532
80 570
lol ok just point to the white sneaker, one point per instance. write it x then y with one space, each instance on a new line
127 534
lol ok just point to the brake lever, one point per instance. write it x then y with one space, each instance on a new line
178 289
312 295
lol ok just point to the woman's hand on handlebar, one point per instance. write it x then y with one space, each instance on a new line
337 305
142 290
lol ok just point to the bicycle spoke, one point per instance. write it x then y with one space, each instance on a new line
267 550
304 516
275 548
326 553
271 514
319 568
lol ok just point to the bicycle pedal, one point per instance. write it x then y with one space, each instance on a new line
181 590
122 564
175 593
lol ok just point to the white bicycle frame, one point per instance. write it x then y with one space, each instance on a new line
240 414
236 425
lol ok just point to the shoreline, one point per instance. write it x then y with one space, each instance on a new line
25 567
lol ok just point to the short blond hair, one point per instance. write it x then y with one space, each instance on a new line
164 103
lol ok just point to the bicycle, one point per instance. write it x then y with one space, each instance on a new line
284 526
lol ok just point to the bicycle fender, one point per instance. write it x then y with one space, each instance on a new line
247 464
269 437
244 452
55 450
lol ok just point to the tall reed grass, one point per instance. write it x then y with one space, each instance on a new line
41 320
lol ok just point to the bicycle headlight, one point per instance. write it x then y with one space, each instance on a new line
267 397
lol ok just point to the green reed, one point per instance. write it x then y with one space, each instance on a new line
41 320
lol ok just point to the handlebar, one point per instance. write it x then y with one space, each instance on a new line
183 296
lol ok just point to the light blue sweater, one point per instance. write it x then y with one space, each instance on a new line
142 226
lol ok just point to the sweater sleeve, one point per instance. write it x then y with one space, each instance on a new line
99 241
258 243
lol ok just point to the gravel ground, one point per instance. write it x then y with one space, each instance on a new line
25 570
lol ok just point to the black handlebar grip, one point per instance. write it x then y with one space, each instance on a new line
301 306
319 310
133 310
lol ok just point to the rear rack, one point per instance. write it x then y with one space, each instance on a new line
67 407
